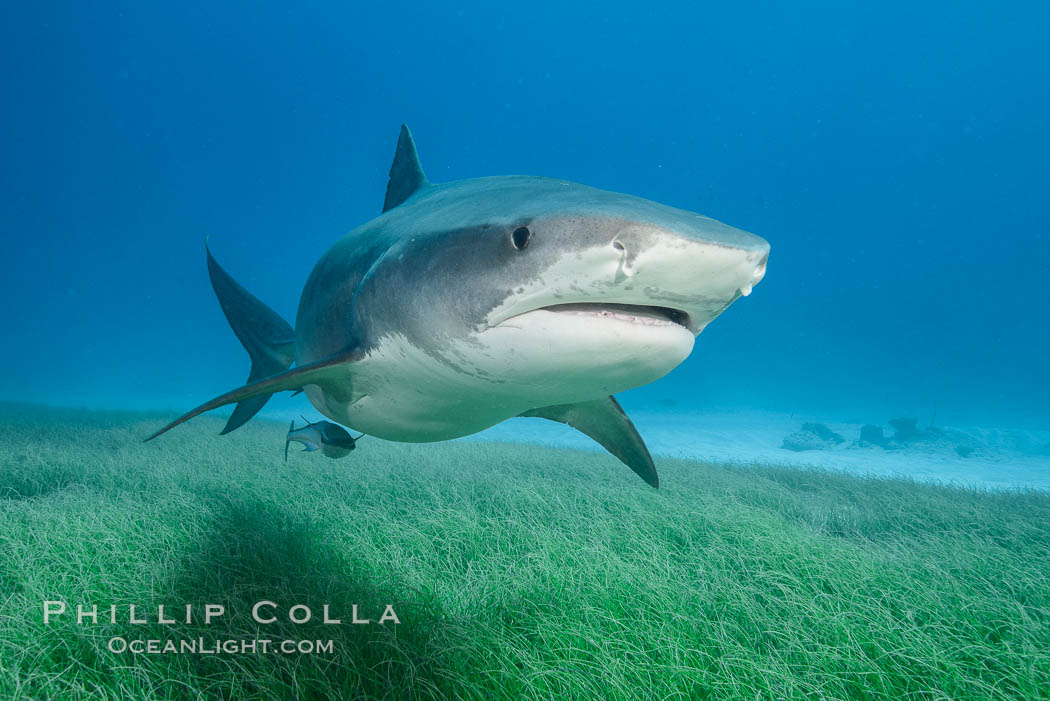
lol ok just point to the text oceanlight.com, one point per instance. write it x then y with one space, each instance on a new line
200 646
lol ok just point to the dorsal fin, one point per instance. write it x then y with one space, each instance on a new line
406 174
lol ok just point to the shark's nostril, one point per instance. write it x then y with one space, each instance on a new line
623 270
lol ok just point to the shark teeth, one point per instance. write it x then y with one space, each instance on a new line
631 318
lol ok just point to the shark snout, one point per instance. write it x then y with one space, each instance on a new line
687 267
699 270
675 249
756 276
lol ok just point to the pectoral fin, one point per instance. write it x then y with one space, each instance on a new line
605 421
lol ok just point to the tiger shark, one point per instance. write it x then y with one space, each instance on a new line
470 302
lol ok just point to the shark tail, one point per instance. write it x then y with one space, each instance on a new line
269 339
310 374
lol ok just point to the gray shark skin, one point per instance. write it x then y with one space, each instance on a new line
471 302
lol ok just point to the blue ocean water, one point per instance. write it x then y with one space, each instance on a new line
896 156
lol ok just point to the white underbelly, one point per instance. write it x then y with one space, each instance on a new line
401 393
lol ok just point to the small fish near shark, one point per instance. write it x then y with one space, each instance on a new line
331 439
471 302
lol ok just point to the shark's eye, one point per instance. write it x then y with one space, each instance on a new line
520 237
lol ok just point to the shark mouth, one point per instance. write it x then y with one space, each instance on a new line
643 315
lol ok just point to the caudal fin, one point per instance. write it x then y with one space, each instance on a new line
269 339
316 373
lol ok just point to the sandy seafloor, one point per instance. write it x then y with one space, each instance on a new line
1002 457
